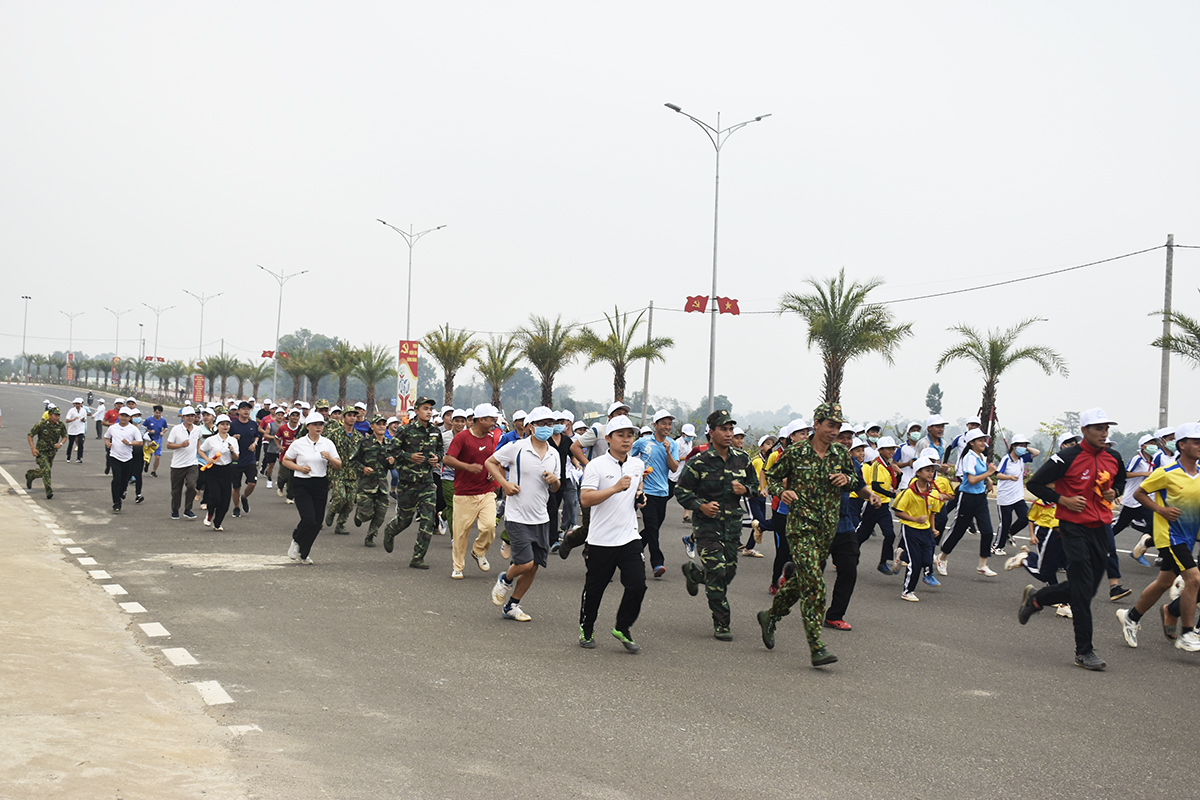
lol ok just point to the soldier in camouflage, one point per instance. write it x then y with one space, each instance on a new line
343 483
810 478
418 452
50 433
712 484
374 457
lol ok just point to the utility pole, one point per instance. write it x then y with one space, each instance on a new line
646 380
1164 385
157 318
24 327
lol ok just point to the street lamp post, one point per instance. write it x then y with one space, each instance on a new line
203 299
718 136
411 240
71 329
24 325
281 279
157 315
117 341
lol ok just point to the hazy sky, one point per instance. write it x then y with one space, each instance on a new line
149 147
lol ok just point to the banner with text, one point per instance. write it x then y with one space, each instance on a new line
197 389
406 385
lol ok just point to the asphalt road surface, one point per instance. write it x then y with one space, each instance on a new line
372 680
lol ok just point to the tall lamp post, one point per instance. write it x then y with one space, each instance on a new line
24 325
411 240
718 136
281 279
117 340
157 315
71 329
203 299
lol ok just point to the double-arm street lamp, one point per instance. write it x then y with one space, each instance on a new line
281 279
157 315
203 299
411 239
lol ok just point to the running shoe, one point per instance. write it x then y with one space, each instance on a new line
237 512
986 571
482 561
910 597
307 560
175 515
586 640
501 591
659 571
294 550
1017 560
931 581
1129 628
822 657
1190 642
1064 610
1115 593
689 545
189 515
768 629
505 550
692 585
940 565
999 551
837 624
722 633
1170 629
514 612
626 641
456 574
1029 605
245 505
1176 588
1139 550
1090 660
885 568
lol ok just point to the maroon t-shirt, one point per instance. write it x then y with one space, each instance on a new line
472 449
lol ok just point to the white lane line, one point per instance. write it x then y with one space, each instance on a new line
115 588
132 608
99 574
52 526
212 693
76 551
63 540
179 656
238 730
154 629
88 561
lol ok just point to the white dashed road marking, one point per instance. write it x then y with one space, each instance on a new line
99 574
76 551
132 608
154 629
66 541
178 656
115 588
238 730
88 561
212 693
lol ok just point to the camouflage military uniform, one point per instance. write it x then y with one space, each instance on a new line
343 482
708 477
49 436
372 490
811 524
417 492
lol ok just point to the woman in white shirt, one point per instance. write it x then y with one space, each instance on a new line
1010 492
219 452
309 459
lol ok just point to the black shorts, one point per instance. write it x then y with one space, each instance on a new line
528 542
249 471
270 458
1177 558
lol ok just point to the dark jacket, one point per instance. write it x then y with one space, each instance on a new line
1078 472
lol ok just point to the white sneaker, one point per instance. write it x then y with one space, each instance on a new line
1143 544
909 596
268 483
456 574
502 590
505 550
1177 588
279 491
294 550
520 616
1017 560
482 561
442 527
208 520
1064 611
1129 628
290 501
986 571
307 560
940 565
1190 641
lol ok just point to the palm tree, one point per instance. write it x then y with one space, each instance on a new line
140 368
210 368
342 360
453 350
844 326
317 368
993 354
257 374
375 365
241 374
294 364
498 365
617 348
548 347
129 367
58 363
1185 343
162 372
37 360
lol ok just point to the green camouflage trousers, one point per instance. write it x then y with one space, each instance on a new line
44 462
807 587
342 495
420 500
372 507
718 565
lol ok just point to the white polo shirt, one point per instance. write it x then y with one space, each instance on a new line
593 437
614 522
305 452
222 451
525 467
123 438
183 457
76 419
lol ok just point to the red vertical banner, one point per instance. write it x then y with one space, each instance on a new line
116 376
197 389
407 384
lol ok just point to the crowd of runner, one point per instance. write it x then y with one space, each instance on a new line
552 484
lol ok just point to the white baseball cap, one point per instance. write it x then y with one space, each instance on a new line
567 415
974 420
519 415
1161 432
458 412
306 406
1066 437
390 420
885 441
661 414
971 436
871 425
1188 430
857 443
619 404
540 413
1095 416
846 428
645 429
914 424
361 406
766 437
447 409
1020 438
580 426
183 412
125 410
314 417
1145 440
77 400
689 429
738 431
930 453
922 463
486 410
619 423
335 408
936 419
221 418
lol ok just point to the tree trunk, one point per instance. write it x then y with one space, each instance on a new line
835 371
316 383
495 395
342 381
448 394
296 380
370 397
987 413
618 385
254 387
548 391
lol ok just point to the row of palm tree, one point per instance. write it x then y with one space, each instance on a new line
548 346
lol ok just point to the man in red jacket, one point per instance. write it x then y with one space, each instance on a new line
1083 481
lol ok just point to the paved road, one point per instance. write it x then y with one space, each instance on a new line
372 680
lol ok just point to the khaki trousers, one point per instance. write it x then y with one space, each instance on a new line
470 509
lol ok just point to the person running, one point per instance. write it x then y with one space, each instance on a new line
844 549
309 459
458 423
758 501
220 454
1086 479
183 442
976 476
534 471
245 430
101 410
592 443
712 486
661 456
288 433
906 455
76 421
1134 514
917 506
883 478
343 480
610 488
121 440
270 436
111 418
683 446
155 426
1010 492
418 453
1172 494
372 460
810 478
50 433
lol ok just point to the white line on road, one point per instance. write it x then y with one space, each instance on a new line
154 629
115 588
66 541
132 608
76 551
212 693
179 656
88 561
238 730
99 574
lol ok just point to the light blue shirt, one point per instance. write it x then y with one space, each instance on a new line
654 454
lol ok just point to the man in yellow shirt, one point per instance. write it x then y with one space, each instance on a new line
880 476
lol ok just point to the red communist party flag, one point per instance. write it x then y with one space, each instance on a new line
697 303
728 305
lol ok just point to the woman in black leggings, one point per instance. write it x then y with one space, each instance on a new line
972 504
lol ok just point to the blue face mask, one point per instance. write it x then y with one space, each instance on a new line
542 433
136 420
1021 451
559 428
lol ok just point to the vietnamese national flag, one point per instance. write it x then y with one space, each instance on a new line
697 303
267 354
728 305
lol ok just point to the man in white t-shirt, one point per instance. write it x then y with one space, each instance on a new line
595 440
533 468
611 488
76 420
182 442
121 439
